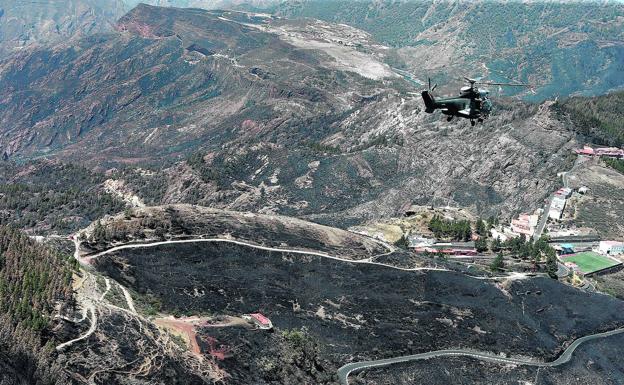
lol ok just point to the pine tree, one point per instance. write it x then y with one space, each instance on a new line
402 242
551 263
497 245
498 264
481 245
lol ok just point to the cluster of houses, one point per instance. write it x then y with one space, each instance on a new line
611 152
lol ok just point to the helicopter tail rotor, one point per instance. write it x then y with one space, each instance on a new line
431 89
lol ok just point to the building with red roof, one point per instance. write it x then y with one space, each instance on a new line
259 320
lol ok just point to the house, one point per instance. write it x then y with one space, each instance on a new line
611 247
259 320
525 224
612 152
583 190
556 207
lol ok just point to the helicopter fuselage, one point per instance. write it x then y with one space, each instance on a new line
470 104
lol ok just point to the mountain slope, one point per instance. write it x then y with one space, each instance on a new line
600 118
282 113
35 287
326 311
561 47
24 24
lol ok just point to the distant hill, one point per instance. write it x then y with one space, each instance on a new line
24 23
563 47
601 118
28 23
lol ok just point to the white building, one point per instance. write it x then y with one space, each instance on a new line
556 207
417 241
611 247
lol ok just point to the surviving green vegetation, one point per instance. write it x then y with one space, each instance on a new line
34 283
616 164
459 230
537 252
600 118
498 263
589 262
48 196
150 185
32 279
498 23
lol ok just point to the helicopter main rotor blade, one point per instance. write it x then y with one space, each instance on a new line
505 84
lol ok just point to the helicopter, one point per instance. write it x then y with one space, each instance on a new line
472 103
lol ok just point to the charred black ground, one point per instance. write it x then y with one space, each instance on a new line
359 312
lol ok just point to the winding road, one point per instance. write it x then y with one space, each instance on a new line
91 309
344 371
369 261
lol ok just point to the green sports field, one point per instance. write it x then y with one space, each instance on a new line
589 261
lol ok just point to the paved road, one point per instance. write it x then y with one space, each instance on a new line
344 371
543 219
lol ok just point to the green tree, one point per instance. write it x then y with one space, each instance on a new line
402 242
481 244
497 245
551 263
492 221
498 264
